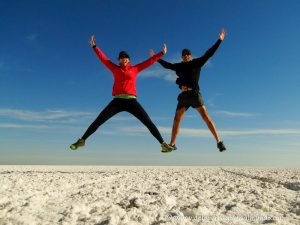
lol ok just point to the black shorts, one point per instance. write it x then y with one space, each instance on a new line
189 98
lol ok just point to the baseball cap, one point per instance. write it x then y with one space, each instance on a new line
123 54
186 52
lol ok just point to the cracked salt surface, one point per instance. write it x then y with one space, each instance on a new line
148 195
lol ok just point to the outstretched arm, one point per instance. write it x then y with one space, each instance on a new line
165 64
101 55
153 58
210 52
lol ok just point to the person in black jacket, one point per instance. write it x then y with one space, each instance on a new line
188 74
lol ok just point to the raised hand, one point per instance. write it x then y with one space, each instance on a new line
151 53
92 41
222 34
164 50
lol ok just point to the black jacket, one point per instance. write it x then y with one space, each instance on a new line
189 72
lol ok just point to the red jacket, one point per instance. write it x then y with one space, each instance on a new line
125 76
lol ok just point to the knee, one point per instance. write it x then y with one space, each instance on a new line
177 118
205 115
207 118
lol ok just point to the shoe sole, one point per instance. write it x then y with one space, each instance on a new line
73 148
167 151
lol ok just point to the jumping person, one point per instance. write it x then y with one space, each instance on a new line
124 92
188 72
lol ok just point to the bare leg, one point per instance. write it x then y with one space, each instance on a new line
176 123
203 112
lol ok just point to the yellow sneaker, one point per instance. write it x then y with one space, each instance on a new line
79 143
165 148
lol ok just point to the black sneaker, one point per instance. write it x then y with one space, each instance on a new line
221 146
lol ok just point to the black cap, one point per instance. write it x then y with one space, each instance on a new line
123 54
186 52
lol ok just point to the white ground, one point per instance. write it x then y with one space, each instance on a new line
148 195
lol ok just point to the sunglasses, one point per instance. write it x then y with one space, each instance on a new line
124 56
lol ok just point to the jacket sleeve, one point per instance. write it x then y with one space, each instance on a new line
143 65
106 62
209 53
166 64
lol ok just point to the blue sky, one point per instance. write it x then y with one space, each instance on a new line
53 86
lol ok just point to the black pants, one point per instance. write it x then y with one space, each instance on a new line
118 105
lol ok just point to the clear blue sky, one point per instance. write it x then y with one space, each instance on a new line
53 86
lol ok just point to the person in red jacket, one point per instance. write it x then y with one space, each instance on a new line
124 92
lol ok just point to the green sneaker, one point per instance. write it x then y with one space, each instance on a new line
79 143
173 146
165 148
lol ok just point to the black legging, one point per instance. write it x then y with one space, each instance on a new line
118 105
